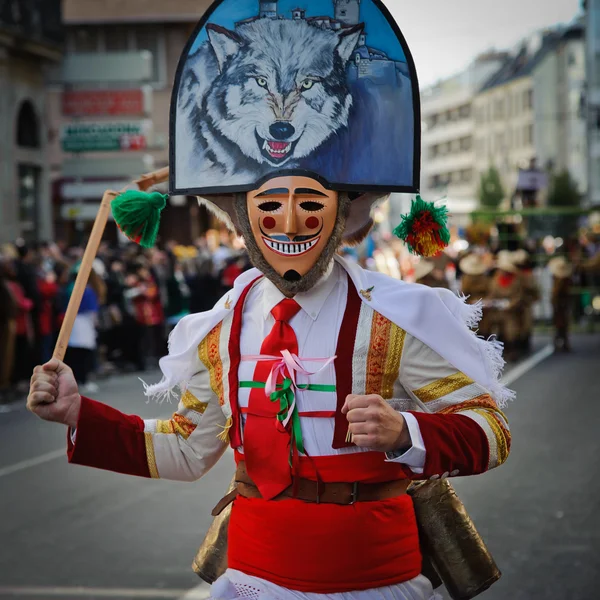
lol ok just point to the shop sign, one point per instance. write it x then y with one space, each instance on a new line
96 103
105 136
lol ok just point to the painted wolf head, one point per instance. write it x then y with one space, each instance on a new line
281 89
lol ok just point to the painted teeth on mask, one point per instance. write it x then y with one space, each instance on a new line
274 151
290 248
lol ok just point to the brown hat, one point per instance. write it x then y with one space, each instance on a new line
472 264
560 268
504 262
520 257
423 268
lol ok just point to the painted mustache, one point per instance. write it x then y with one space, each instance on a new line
281 244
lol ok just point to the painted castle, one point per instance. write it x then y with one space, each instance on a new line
368 62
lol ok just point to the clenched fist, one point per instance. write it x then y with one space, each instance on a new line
53 394
375 424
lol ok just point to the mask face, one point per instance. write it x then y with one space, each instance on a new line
292 219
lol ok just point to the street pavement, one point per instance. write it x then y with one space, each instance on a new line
71 532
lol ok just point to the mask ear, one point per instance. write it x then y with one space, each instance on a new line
225 43
223 208
360 213
348 38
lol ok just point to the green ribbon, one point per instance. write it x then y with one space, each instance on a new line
284 393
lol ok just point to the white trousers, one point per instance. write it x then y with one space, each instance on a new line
235 584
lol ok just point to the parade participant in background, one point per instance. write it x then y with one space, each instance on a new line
505 299
531 294
561 272
334 386
475 285
427 274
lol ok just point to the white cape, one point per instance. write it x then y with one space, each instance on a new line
435 316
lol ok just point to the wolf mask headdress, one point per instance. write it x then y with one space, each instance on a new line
328 91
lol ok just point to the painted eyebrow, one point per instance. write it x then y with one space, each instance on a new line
310 191
273 192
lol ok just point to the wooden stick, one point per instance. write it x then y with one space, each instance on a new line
145 182
82 276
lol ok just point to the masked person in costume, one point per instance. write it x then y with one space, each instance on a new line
335 386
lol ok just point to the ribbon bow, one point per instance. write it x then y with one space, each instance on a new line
284 393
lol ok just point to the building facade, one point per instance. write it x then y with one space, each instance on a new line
504 121
592 51
530 112
31 39
109 106
448 135
559 81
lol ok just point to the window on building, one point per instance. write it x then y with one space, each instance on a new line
434 182
433 121
466 175
572 60
455 146
464 111
152 38
455 177
499 109
28 126
466 144
528 99
117 38
528 135
433 152
83 39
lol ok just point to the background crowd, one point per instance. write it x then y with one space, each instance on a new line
132 300
134 297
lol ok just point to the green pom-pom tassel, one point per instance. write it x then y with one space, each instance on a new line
137 214
425 228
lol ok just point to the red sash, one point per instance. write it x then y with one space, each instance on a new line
326 548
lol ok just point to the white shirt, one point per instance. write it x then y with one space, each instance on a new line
317 326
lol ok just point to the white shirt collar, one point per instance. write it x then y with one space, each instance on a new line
311 302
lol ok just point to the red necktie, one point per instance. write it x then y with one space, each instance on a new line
266 442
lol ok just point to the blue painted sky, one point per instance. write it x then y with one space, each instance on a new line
380 34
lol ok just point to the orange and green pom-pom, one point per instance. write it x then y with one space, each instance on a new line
424 229
137 214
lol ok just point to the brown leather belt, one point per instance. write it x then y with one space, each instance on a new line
342 493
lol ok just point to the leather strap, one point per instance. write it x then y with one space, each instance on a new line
342 493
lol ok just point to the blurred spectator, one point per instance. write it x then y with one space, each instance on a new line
8 315
83 340
561 272
149 314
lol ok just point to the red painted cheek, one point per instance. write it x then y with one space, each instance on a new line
269 223
312 222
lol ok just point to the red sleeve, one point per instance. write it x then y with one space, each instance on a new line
108 439
454 444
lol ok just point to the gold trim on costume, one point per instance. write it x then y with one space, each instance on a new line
392 364
224 435
164 427
208 352
484 401
501 441
192 403
150 456
442 387
384 356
